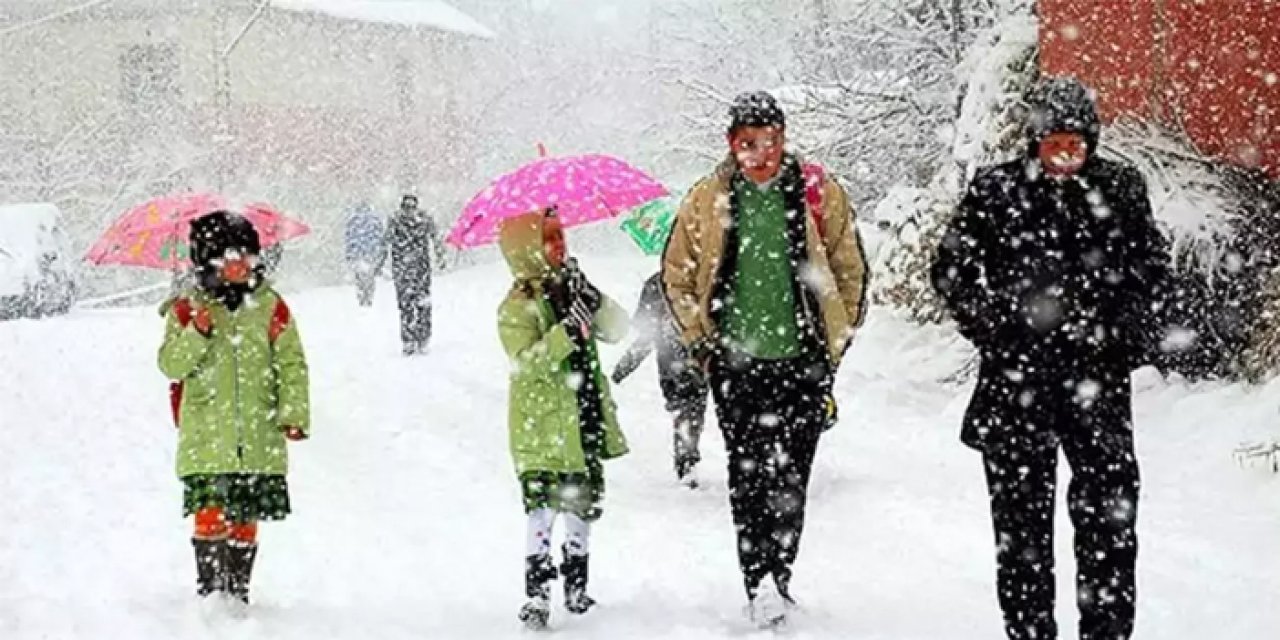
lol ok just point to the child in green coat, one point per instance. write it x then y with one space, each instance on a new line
562 420
241 389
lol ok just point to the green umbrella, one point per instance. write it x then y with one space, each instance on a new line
650 223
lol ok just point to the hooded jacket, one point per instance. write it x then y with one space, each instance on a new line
1060 271
365 242
544 408
1054 279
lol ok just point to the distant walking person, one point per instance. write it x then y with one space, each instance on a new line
366 251
413 238
684 386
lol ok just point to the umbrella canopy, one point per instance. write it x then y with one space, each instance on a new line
154 234
582 188
650 223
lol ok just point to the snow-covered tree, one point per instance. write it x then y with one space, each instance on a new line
987 127
877 90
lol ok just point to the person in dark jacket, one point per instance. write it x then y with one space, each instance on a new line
1053 268
413 238
683 386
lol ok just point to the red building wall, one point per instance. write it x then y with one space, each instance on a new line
1209 66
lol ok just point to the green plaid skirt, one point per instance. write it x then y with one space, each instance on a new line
243 497
581 494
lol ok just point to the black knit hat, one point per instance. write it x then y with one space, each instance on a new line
212 235
755 109
1061 104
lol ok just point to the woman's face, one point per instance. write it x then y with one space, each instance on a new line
553 244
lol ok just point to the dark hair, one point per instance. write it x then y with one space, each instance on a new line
212 235
755 109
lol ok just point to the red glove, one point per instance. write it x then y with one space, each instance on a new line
295 434
203 321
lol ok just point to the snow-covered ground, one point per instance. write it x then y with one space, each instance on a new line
408 524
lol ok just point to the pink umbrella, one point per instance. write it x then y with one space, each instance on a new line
583 189
154 234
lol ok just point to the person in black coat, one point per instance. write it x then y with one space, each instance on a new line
683 386
1054 269
413 238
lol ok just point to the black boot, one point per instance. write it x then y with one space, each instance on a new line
240 557
782 578
211 562
574 569
538 574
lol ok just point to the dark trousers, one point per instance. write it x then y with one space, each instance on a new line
366 284
1094 430
770 413
415 313
688 414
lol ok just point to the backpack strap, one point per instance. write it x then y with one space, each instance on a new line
183 310
280 318
814 179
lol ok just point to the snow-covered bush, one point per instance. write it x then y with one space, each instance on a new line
1225 244
875 90
996 73
1223 223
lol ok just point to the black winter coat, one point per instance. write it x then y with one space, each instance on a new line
1056 274
656 330
412 237
1059 283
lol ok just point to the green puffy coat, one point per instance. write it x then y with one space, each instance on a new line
543 411
241 385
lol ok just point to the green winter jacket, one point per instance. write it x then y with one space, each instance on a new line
543 411
242 385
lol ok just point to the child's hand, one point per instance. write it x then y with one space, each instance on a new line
203 321
295 434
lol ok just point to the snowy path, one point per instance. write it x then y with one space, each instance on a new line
407 520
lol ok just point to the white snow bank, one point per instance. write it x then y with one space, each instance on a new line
428 13
26 231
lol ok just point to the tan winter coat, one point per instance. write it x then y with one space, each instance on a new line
836 271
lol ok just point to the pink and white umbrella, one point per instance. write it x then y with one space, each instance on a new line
154 233
582 188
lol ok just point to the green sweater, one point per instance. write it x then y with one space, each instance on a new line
761 317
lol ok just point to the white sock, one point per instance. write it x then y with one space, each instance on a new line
538 536
577 535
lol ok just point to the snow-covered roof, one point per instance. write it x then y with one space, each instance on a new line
426 13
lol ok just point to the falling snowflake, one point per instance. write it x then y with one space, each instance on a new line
1088 390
